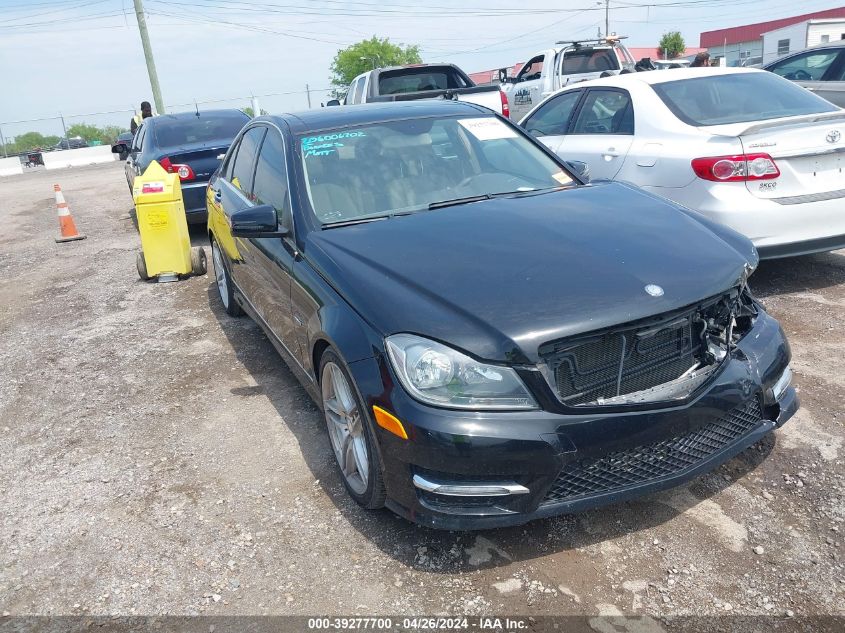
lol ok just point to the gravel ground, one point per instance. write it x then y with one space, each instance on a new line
159 458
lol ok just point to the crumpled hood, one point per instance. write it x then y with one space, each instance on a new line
500 277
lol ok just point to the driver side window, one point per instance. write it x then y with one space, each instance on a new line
552 118
809 66
532 70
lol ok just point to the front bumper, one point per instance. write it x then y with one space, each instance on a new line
778 229
535 451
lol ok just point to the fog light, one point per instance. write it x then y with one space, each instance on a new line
780 387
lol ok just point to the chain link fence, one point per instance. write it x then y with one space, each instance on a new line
19 137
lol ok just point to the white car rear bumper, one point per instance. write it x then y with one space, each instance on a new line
778 229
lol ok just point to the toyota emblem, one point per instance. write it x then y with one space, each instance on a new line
833 136
654 290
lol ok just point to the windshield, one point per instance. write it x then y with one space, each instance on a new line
738 98
407 166
201 129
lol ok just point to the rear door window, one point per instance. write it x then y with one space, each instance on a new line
552 118
605 112
271 178
243 170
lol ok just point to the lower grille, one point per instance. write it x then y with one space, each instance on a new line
643 464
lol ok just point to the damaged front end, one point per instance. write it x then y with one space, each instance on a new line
662 359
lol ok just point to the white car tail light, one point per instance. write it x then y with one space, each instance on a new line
736 168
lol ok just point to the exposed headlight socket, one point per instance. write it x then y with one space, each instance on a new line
779 388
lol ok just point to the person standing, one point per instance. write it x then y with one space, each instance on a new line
701 60
146 112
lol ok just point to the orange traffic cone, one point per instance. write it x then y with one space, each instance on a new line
67 228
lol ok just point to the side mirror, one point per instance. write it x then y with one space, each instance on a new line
332 102
580 169
118 148
259 221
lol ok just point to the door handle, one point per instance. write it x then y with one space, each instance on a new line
610 153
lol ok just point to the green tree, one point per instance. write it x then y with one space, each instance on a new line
672 45
91 133
86 131
366 55
251 113
31 140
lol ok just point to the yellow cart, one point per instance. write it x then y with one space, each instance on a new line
166 252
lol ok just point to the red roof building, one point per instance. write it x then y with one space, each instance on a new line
752 32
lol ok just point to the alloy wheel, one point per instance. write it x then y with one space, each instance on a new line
220 274
346 428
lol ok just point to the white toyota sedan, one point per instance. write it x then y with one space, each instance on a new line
744 147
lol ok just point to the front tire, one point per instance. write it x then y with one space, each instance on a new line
350 434
224 283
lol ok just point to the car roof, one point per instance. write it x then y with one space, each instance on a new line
182 116
366 113
651 77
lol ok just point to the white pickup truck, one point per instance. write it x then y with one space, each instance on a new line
423 81
555 68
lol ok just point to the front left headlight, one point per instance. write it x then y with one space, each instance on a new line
436 374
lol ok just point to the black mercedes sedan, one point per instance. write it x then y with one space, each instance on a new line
490 339
190 144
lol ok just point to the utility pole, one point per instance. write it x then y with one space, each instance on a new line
64 128
308 93
606 17
3 142
148 55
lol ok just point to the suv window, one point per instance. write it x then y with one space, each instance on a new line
809 66
271 178
533 69
552 118
605 112
244 168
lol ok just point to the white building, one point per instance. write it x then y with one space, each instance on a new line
799 36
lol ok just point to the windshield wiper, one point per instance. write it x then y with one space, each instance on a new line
332 225
364 220
457 201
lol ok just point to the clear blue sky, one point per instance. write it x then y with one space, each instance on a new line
83 56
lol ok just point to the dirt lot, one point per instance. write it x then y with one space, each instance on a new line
158 457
